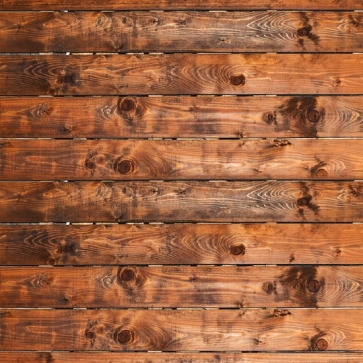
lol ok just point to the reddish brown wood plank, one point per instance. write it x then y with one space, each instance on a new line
184 5
181 244
103 357
181 160
181 74
181 31
172 330
181 286
176 201
225 117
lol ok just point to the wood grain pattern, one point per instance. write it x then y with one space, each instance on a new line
143 74
177 201
141 244
106 357
181 5
224 117
181 160
181 286
181 32
174 330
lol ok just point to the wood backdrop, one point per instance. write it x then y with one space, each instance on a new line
181 181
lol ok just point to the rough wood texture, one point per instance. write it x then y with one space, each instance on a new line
268 201
181 160
225 117
103 357
181 5
143 74
181 286
172 330
181 244
181 32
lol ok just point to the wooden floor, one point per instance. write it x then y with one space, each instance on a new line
181 181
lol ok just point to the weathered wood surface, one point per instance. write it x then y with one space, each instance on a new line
267 201
182 5
181 32
135 357
297 159
144 74
173 330
145 117
181 244
181 286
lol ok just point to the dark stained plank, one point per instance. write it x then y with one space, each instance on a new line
298 159
267 201
147 357
174 330
224 117
181 286
181 32
181 244
143 74
181 5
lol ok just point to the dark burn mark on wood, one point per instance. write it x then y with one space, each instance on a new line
295 111
279 313
318 170
306 200
306 31
295 282
68 248
269 287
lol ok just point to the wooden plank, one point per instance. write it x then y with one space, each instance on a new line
120 202
181 5
106 357
181 160
174 330
224 117
181 32
181 286
181 244
143 74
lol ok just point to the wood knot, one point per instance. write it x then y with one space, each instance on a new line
123 336
123 166
89 164
238 80
313 286
126 274
238 250
321 344
313 115
126 105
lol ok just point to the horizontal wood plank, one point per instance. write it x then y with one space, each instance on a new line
173 330
141 244
181 286
143 74
181 160
147 357
184 5
120 202
181 32
224 117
